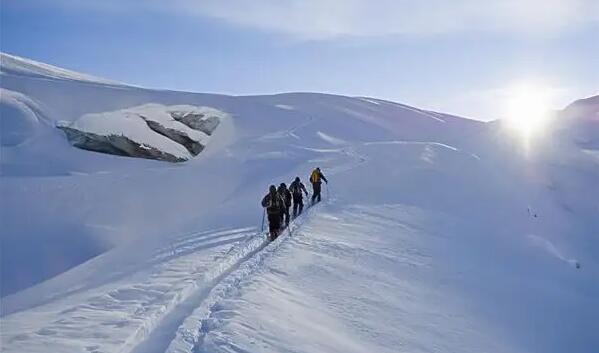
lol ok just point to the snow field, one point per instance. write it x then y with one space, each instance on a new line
425 243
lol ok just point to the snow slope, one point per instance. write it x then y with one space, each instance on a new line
436 234
20 118
581 122
15 65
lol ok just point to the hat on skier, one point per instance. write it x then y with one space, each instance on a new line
272 189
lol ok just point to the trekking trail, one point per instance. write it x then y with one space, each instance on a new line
183 328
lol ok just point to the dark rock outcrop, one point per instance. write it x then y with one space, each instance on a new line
197 121
194 147
154 131
115 144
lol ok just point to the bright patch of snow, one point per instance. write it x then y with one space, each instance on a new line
551 249
271 155
284 106
330 139
372 101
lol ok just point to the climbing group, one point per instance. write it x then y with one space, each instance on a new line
278 201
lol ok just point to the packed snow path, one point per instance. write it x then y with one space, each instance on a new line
190 332
184 328
126 311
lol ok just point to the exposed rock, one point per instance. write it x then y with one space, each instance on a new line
153 131
115 144
198 121
194 147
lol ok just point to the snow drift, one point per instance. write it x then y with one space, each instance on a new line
20 118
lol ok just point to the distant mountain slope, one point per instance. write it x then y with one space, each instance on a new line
580 122
587 108
18 66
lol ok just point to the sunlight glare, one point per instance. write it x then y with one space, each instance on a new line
528 110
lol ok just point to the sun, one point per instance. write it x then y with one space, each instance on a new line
527 109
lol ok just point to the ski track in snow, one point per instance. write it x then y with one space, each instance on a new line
189 336
551 249
157 306
425 143
157 338
291 132
184 327
425 113
124 314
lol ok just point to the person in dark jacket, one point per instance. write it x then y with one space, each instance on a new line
296 189
275 205
316 179
286 195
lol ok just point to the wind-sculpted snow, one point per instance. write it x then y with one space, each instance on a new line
20 118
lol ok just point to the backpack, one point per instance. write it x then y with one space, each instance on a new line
287 197
315 177
295 189
274 204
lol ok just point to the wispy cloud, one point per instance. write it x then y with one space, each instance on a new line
325 19
328 19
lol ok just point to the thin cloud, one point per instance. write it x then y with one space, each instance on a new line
325 19
329 19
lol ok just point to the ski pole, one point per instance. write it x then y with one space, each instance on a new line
263 214
173 248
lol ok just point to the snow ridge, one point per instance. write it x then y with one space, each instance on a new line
15 65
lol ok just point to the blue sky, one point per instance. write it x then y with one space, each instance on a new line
454 56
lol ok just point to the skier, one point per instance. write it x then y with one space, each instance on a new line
296 189
274 205
286 196
316 179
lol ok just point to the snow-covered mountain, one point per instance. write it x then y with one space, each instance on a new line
436 234
580 122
